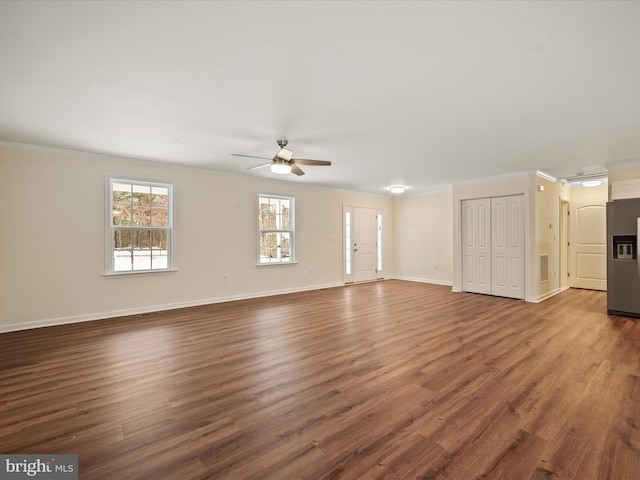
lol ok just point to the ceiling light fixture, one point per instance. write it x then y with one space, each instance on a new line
591 183
285 154
397 189
281 167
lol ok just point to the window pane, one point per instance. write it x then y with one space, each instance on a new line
284 246
142 216
141 239
121 189
159 250
379 243
122 251
143 194
142 259
159 196
347 241
159 217
142 249
122 214
284 211
268 247
121 198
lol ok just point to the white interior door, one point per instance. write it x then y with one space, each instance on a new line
476 238
588 245
365 233
507 246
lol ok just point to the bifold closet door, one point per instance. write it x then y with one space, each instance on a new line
507 246
476 246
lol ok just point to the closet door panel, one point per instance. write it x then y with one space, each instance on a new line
476 241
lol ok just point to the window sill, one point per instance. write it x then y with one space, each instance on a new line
275 264
138 273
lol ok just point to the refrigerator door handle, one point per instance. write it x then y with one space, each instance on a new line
637 239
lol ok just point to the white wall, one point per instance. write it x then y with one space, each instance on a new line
423 237
52 246
547 234
53 220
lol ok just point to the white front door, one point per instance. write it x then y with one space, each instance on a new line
365 254
588 249
476 245
507 246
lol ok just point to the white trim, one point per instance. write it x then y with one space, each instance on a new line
444 188
109 228
291 230
276 264
50 322
550 294
128 273
546 176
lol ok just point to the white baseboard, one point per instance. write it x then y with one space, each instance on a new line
50 322
550 294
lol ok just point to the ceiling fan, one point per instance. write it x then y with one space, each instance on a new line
283 162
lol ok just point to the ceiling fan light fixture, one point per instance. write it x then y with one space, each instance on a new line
397 189
285 154
281 168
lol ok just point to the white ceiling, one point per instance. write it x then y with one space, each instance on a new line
414 93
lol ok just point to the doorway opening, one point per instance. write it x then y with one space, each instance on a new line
363 252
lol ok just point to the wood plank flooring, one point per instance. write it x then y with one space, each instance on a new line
384 380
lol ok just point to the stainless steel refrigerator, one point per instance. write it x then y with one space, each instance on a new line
623 269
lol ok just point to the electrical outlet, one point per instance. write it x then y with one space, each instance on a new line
224 277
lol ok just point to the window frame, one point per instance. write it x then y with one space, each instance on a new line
291 230
111 229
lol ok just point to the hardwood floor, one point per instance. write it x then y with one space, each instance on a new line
392 379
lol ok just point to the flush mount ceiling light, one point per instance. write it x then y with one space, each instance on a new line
397 189
591 183
585 180
281 167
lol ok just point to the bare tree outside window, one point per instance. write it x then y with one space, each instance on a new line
140 225
275 225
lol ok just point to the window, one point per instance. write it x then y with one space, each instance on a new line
140 226
379 243
275 229
347 242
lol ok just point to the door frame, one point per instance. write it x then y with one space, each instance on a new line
574 282
529 256
349 207
564 240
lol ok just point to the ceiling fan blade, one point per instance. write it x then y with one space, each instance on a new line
262 165
300 161
296 169
250 156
